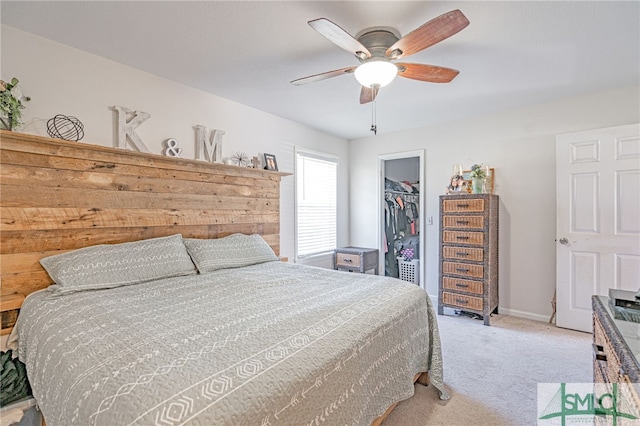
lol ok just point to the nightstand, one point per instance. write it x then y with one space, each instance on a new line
355 259
24 411
9 307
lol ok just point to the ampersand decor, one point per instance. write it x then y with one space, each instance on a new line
171 148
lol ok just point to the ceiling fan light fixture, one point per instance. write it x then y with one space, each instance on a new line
376 73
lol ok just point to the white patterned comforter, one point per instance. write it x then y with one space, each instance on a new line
268 344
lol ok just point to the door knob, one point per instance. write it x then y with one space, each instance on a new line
563 241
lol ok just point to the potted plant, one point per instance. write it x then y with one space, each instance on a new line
478 175
11 99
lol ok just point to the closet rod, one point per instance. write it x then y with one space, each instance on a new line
401 193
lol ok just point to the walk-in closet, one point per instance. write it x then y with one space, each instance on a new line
401 218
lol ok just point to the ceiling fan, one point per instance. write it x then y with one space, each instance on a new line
377 47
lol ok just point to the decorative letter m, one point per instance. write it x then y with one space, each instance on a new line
209 150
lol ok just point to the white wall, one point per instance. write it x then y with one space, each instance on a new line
520 145
65 80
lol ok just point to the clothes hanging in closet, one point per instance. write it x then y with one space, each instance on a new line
401 222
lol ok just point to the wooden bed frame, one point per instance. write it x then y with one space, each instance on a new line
58 196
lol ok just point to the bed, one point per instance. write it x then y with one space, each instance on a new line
249 340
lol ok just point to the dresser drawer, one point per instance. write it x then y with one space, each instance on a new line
464 269
462 301
630 393
459 284
468 222
463 237
600 374
345 259
471 205
611 359
463 253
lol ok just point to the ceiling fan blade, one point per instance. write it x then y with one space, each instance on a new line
368 94
430 33
323 76
429 73
340 37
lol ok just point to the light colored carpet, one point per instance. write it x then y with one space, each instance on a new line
492 372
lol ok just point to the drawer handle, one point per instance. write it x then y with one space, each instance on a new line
462 301
462 269
462 253
464 206
462 237
462 222
599 353
347 260
462 285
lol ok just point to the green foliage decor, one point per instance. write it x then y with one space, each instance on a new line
477 172
11 99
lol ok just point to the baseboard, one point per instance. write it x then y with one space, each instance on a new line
506 311
321 261
523 314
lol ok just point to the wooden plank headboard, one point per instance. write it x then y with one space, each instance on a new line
58 196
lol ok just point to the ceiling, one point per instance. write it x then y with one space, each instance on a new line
512 53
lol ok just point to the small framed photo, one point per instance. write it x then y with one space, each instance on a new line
457 184
270 162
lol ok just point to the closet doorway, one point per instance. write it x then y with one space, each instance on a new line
402 207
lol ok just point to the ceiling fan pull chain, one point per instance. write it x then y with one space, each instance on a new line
374 118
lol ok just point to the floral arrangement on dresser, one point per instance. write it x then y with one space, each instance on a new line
478 171
478 175
11 104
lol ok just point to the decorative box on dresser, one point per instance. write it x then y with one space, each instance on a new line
616 351
468 279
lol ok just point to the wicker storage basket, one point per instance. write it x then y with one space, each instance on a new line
409 270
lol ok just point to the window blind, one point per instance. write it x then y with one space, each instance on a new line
316 203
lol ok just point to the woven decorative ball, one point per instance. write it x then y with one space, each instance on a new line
65 127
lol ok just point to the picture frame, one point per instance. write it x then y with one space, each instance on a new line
466 175
270 162
457 185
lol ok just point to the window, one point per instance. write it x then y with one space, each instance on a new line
316 200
